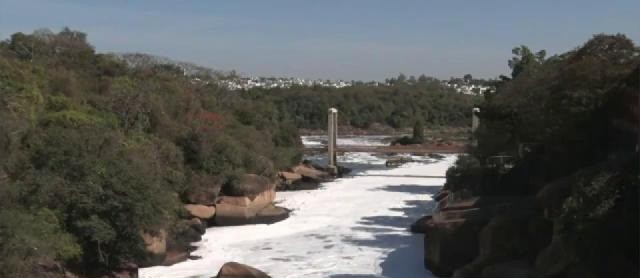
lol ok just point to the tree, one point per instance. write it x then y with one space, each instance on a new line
23 46
401 78
525 59
614 48
467 78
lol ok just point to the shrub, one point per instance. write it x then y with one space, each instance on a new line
466 173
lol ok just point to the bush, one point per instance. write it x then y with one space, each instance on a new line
29 236
592 199
466 173
104 187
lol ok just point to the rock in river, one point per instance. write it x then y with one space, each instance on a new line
238 270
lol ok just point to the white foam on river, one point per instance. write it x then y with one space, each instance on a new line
367 140
355 226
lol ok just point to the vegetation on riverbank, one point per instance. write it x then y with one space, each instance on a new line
561 135
396 106
96 154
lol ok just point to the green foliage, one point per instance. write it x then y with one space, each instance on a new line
577 113
398 105
29 236
525 60
58 103
591 201
106 188
600 217
466 173
97 152
561 103
571 111
72 119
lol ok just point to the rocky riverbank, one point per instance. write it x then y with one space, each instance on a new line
355 225
523 236
249 201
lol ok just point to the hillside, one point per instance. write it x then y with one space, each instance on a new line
551 189
97 153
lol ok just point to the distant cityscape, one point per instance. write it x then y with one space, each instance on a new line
246 83
468 89
233 81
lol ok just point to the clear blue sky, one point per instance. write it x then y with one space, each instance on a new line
348 39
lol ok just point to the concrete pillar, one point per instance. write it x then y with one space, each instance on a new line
332 130
475 122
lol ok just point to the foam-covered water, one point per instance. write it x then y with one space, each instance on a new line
367 140
353 226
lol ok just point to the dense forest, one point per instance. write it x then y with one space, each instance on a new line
94 151
561 134
398 106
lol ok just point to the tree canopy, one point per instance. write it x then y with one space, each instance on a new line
93 152
568 125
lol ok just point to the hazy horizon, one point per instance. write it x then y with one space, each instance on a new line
349 40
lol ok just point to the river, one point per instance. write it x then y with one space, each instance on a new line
355 226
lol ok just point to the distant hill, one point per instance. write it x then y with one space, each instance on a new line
142 60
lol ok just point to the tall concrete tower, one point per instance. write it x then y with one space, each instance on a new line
332 130
475 122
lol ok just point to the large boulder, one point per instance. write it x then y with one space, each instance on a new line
556 259
451 235
289 177
450 244
242 210
310 173
242 201
231 215
238 270
248 185
511 238
201 211
263 199
420 226
307 176
271 214
508 238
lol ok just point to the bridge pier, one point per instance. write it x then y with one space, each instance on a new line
475 122
332 130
